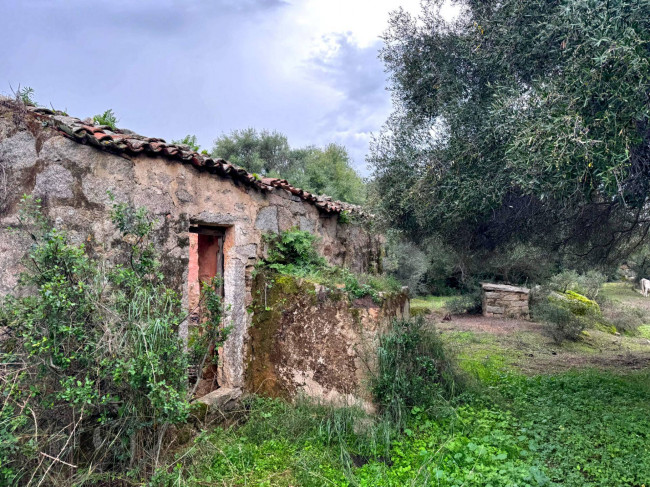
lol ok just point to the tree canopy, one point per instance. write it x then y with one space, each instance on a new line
325 170
519 121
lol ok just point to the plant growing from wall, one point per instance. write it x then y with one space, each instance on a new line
293 252
94 370
191 141
106 118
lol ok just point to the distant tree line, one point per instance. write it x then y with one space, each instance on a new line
267 153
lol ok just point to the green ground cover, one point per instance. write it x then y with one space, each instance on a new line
585 428
428 304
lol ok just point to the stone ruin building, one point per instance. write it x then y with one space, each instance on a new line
211 216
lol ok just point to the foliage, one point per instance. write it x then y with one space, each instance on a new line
424 305
26 95
412 371
189 140
639 263
465 303
519 122
623 318
293 252
573 429
106 118
320 171
95 369
587 284
406 262
567 314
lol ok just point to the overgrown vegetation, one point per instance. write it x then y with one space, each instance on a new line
573 429
94 371
413 371
293 252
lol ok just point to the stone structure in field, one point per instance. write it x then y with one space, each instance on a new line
503 301
210 214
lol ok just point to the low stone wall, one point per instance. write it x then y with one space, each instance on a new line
311 340
500 300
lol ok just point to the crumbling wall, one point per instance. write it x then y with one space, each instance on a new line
308 339
73 179
500 300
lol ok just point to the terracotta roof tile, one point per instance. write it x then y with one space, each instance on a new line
127 142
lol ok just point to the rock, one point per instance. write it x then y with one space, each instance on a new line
54 182
267 219
223 399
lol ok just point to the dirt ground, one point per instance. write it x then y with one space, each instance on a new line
526 346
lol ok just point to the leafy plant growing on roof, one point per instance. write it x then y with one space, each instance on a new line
106 118
26 95
191 142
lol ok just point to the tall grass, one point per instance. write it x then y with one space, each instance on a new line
413 370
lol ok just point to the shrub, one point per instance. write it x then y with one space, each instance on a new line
406 262
95 368
293 252
623 318
567 315
26 95
412 370
587 284
465 303
562 323
190 141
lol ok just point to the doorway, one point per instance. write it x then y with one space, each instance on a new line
206 262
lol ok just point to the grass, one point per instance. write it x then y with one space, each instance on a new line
586 428
533 413
428 304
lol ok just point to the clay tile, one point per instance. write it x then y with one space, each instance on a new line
101 136
135 145
197 161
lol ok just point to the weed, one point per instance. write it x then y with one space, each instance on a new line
412 370
107 118
191 142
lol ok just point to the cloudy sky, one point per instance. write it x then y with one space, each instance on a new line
308 68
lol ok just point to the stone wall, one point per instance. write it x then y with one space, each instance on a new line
500 300
311 340
72 179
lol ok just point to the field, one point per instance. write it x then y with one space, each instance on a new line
532 413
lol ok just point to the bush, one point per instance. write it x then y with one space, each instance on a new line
107 118
623 318
562 323
96 371
293 252
406 263
587 284
465 303
412 370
